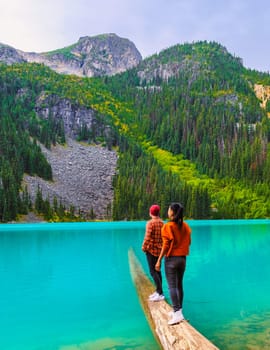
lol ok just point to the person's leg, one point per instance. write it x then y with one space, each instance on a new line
171 276
156 275
174 268
181 266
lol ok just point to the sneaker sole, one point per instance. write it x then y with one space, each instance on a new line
173 324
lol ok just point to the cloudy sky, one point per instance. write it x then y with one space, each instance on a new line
242 26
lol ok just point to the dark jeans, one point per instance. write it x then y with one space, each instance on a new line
152 260
174 268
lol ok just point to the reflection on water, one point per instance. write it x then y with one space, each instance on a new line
68 286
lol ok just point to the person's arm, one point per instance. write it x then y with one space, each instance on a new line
147 237
162 253
165 245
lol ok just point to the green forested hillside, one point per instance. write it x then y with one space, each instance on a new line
186 123
207 112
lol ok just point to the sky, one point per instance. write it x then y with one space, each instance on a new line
242 26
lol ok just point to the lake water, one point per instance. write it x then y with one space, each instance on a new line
68 286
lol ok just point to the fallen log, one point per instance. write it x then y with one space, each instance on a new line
181 336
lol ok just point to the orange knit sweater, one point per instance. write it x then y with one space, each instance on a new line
176 241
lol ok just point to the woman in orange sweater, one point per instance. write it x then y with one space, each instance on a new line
176 239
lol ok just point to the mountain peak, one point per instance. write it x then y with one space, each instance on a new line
104 36
104 54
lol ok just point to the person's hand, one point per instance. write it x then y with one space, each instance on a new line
157 266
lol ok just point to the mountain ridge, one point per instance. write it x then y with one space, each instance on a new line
105 54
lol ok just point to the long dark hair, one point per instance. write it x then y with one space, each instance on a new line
178 213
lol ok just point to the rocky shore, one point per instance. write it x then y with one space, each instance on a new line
82 177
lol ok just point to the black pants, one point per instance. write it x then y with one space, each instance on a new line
156 275
174 268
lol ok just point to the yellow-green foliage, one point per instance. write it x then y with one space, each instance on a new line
174 163
227 195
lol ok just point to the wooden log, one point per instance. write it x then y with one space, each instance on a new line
181 336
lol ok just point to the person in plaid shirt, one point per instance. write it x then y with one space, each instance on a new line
152 245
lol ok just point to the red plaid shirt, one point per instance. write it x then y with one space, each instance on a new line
152 242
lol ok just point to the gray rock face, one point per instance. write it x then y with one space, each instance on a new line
106 54
9 55
153 69
73 117
101 55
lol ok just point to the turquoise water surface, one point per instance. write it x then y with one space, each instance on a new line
68 286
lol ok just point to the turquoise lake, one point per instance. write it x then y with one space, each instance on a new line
68 286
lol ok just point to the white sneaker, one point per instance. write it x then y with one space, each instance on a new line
177 317
152 295
157 297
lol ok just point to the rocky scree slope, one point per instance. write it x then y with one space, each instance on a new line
82 178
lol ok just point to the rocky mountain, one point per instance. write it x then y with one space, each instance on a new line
187 60
194 102
100 55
